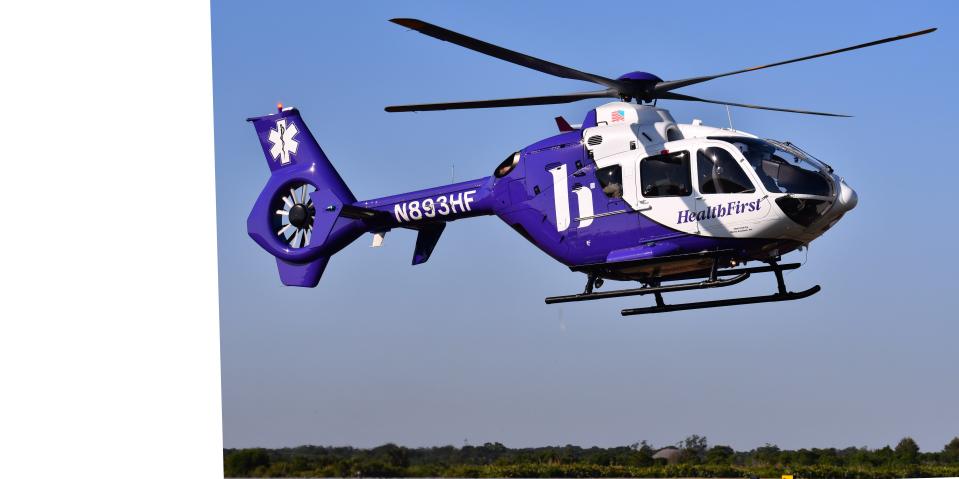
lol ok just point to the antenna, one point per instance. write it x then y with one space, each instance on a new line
452 171
729 117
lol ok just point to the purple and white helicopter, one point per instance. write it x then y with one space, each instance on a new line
628 195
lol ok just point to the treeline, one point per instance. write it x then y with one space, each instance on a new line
692 457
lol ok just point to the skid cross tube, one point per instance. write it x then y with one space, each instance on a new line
655 289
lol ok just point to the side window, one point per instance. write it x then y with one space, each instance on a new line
666 175
719 172
673 134
611 179
507 165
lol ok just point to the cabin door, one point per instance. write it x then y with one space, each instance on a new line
664 184
727 202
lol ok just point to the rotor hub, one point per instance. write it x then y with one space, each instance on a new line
299 215
640 86
640 76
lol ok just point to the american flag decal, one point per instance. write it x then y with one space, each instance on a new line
619 115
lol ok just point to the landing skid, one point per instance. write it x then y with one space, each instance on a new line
712 281
771 298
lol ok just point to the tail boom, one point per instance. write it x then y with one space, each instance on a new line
306 196
441 204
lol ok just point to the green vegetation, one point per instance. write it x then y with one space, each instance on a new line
693 457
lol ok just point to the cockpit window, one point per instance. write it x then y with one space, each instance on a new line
781 170
720 173
611 179
666 175
507 165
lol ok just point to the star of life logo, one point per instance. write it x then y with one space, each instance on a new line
283 143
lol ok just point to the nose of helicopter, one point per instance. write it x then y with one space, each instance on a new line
848 199
845 201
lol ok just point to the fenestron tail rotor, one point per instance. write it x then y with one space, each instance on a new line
292 215
641 86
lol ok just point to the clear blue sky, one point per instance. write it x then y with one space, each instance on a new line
463 348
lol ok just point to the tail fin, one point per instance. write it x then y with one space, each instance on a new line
288 145
297 218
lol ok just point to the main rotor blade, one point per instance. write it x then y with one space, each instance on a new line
502 53
677 96
532 100
673 84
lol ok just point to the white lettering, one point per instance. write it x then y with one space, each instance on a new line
584 199
456 199
444 207
560 197
428 209
415 210
468 198
400 212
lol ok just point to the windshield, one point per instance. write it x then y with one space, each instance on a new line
782 167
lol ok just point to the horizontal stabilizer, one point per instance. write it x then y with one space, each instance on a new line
360 213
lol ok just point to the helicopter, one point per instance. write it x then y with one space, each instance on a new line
629 194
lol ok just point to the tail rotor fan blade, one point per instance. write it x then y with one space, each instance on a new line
287 218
